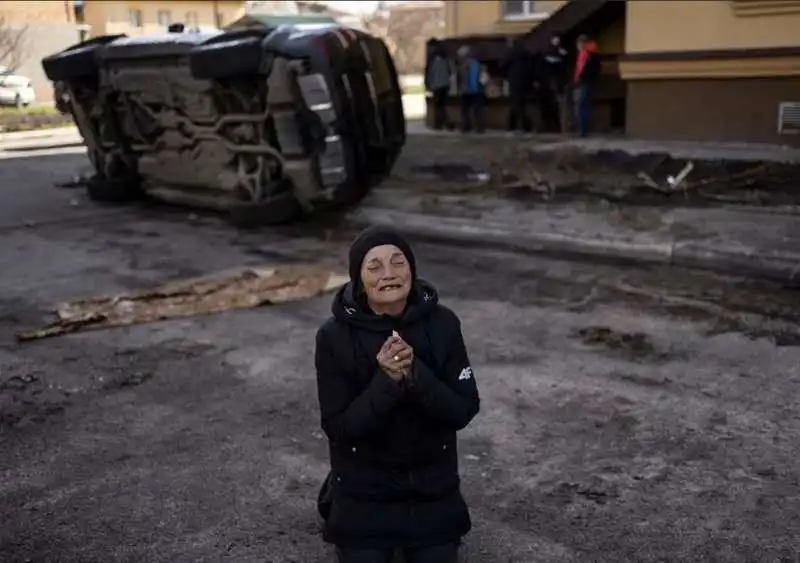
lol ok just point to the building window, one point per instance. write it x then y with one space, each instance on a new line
77 7
164 18
135 18
192 21
522 10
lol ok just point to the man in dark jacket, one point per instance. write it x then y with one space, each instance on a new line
553 75
437 82
587 73
395 384
519 70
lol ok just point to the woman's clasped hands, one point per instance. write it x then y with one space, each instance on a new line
396 357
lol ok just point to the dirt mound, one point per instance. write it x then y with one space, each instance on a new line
521 172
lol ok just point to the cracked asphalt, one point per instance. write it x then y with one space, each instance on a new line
642 415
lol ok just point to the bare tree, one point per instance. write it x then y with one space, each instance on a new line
405 29
377 23
13 48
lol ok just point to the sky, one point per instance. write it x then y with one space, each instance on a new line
353 7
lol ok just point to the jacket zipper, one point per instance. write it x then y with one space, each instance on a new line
412 514
412 511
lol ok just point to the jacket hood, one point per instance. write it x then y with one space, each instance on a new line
348 308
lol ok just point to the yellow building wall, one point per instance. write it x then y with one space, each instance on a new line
477 17
110 17
694 25
21 12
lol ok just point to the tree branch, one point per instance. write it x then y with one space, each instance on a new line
13 50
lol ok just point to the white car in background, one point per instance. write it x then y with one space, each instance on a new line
16 90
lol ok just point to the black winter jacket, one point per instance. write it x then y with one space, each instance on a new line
554 69
394 463
520 70
591 71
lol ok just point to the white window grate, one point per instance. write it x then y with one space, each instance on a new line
789 118
521 10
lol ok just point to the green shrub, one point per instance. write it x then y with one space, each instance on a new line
32 118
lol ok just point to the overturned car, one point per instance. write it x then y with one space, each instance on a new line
265 123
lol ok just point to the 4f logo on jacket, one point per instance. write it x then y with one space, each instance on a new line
465 374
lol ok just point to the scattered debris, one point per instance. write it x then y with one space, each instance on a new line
672 182
635 343
77 181
447 172
18 382
614 175
246 289
675 181
132 379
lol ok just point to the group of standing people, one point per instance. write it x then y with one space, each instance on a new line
542 76
471 80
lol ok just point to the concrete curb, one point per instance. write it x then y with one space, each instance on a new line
781 267
41 146
55 144
39 133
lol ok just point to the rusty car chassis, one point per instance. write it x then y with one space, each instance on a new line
263 123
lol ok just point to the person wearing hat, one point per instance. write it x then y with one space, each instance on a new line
472 80
395 385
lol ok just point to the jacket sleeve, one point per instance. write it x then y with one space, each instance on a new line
347 415
451 396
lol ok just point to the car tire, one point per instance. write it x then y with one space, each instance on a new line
104 190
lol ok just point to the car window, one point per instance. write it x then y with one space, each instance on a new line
16 81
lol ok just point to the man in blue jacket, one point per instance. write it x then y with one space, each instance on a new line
471 90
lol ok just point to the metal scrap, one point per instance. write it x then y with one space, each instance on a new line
253 287
675 182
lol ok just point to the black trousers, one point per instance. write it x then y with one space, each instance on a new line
440 108
472 107
517 114
447 553
550 110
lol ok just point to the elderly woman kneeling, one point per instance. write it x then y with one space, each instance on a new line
395 384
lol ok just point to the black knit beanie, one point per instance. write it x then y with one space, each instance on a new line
368 239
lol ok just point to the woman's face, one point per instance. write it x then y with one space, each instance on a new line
386 276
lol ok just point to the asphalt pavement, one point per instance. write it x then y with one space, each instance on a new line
628 414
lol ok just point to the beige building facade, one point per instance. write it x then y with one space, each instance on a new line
44 28
707 70
713 70
134 18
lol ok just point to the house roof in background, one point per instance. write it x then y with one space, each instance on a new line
268 20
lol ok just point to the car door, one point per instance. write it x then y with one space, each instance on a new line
7 92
